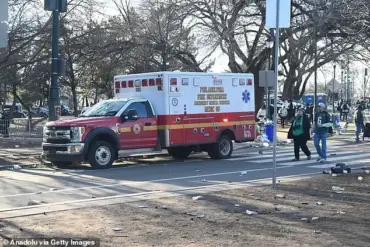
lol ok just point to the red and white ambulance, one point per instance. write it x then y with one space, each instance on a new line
182 112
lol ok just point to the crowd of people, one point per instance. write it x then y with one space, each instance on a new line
304 124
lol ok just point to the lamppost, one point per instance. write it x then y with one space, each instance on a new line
269 45
57 64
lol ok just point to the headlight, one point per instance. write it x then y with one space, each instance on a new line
77 133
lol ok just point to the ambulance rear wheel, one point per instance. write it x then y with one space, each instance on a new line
222 149
180 153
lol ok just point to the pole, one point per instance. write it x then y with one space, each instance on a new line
334 88
315 76
268 89
54 100
341 87
277 42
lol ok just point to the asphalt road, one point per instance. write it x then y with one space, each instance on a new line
160 177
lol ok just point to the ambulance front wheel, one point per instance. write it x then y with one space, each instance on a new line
222 149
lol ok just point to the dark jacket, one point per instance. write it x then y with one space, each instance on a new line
306 128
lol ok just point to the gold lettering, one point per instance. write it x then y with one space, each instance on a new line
200 102
203 89
211 89
201 97
224 102
209 109
216 96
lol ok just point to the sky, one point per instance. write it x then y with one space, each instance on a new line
325 74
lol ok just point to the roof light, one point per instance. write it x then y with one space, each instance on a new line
118 84
158 82
151 82
130 83
250 82
124 84
144 83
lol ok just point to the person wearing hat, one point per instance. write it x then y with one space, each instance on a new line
300 132
321 128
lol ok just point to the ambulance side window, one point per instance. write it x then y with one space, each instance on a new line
143 109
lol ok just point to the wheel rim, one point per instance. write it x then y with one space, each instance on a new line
225 147
103 155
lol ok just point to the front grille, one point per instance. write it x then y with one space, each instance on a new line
57 135
54 149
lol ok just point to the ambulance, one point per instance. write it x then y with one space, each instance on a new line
181 112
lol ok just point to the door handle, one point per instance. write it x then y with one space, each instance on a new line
148 124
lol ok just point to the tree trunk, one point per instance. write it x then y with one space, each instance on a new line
96 95
75 102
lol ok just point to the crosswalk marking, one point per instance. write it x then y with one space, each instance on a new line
292 154
284 155
326 166
338 158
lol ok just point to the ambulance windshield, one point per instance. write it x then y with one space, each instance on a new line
105 109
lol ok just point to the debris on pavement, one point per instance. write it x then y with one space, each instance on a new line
17 167
367 171
53 189
360 178
196 198
337 188
304 219
315 218
304 203
204 180
341 212
35 202
236 205
280 196
243 173
143 206
249 212
117 229
319 203
317 232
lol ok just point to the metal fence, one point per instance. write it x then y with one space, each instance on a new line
21 127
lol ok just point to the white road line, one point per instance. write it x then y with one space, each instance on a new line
338 158
292 154
221 186
141 182
259 156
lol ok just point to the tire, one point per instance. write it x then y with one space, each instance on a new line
223 149
61 164
180 153
101 155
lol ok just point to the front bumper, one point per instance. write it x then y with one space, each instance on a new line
71 152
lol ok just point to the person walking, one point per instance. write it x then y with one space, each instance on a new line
345 111
359 121
321 125
283 113
300 132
